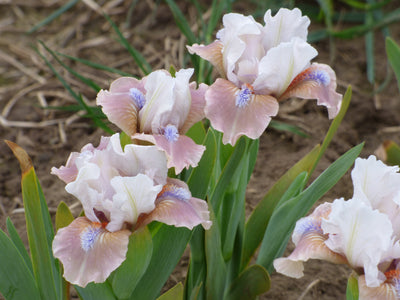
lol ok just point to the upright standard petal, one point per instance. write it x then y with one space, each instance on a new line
159 100
309 239
196 112
133 196
281 65
316 82
176 206
88 252
284 26
238 112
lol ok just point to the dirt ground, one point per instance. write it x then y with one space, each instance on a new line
27 84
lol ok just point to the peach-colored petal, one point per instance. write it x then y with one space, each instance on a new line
176 206
181 153
196 112
124 84
88 252
316 82
389 290
310 244
211 52
120 109
249 118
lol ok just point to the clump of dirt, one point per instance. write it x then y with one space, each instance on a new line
27 85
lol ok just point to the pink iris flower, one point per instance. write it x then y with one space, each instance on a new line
158 109
120 190
362 232
261 66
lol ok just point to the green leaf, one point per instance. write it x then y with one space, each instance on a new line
228 171
333 128
14 236
278 232
258 220
392 153
352 287
197 132
39 228
200 177
127 276
216 268
175 293
169 243
64 216
287 127
16 280
96 291
393 54
252 282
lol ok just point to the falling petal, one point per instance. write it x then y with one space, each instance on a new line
389 290
316 82
176 206
309 239
120 109
250 118
88 252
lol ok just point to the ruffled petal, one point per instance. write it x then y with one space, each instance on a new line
363 235
309 239
389 290
133 196
88 252
281 65
196 112
316 82
120 109
176 206
182 153
284 26
211 52
250 118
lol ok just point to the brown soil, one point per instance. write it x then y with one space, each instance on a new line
49 136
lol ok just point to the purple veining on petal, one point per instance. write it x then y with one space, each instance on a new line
310 225
89 236
171 133
320 76
172 191
138 97
243 96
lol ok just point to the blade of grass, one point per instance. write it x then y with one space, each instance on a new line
54 15
77 97
85 80
181 22
95 65
137 56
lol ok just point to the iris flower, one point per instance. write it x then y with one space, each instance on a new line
362 232
158 109
261 66
120 190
